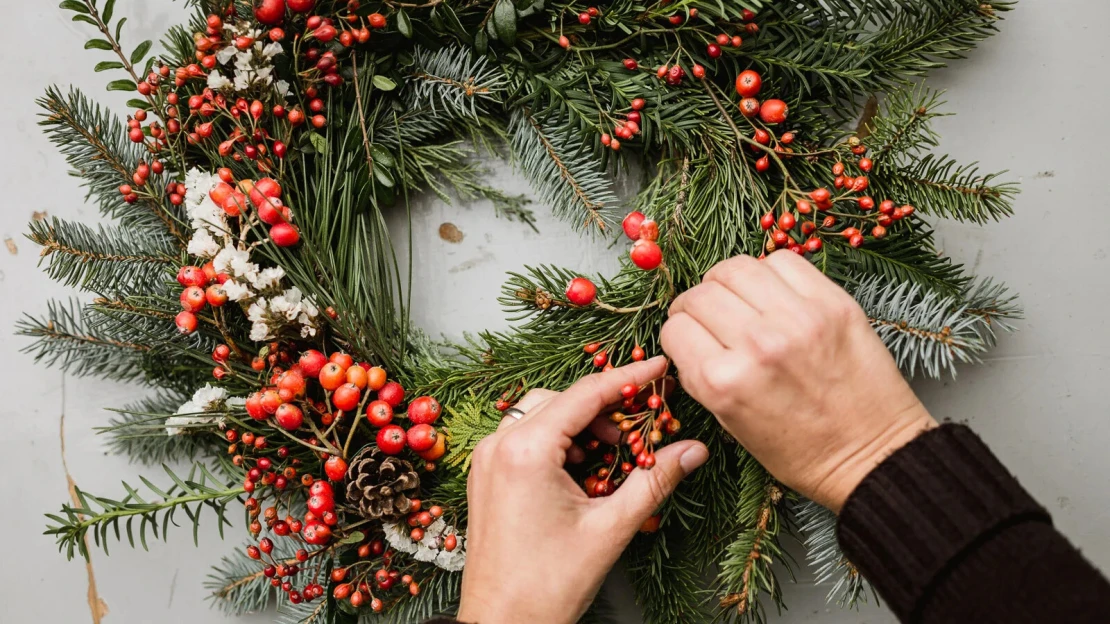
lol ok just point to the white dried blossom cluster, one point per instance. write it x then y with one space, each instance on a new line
199 410
429 549
270 306
252 67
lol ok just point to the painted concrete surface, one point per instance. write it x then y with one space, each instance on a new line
1029 100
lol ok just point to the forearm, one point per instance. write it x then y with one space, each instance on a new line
946 534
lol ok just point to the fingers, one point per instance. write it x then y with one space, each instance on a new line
799 273
530 403
716 308
645 490
759 286
686 341
605 430
569 413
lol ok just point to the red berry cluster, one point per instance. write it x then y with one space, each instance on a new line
602 359
715 50
202 287
356 583
643 422
140 178
627 128
265 198
645 252
877 216
587 16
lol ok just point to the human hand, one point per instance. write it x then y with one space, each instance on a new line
789 364
537 547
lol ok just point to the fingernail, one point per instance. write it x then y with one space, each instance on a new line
693 458
657 359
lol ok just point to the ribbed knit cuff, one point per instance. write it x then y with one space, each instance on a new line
911 519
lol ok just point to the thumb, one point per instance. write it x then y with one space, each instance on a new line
645 490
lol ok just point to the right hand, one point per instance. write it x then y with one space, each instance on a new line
791 367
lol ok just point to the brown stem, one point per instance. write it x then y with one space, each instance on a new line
944 336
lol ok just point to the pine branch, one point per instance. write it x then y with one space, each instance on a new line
823 553
905 255
102 260
99 515
933 332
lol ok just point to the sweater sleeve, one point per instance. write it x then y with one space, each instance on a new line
946 534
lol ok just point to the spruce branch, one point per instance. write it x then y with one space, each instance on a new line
560 168
823 553
932 331
139 431
745 567
102 260
64 337
100 515
455 82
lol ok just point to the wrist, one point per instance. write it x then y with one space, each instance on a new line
909 425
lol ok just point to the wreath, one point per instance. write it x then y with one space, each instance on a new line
249 279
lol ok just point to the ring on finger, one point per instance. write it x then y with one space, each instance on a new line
514 412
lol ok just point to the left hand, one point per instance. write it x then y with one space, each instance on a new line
538 548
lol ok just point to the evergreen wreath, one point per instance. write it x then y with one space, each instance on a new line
268 139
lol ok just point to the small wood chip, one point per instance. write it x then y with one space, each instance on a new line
450 233
12 249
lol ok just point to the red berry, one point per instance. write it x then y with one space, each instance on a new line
698 71
767 221
289 417
774 111
312 362
377 20
193 299
563 41
813 245
192 276
749 83
421 437
580 292
186 322
424 410
630 64
379 413
316 534
763 164
632 223
391 439
821 195
749 107
646 255
856 241
392 393
583 18
601 359
878 231
787 221
762 137
269 12
301 6
336 468
804 207
713 50
284 235
865 164
649 230
320 503
637 353
346 397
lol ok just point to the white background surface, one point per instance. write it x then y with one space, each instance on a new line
1031 100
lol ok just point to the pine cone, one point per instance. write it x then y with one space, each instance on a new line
380 485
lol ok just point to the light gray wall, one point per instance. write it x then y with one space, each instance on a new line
1030 100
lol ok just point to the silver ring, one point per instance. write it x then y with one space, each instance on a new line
514 412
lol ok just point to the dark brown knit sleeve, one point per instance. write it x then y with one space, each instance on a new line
946 534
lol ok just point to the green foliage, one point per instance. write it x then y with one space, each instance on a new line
818 525
106 261
99 516
468 422
930 331
449 81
